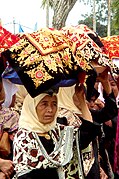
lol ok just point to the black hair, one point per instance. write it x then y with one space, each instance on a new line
52 90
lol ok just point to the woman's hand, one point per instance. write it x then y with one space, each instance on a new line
104 79
103 76
108 123
79 96
103 174
81 102
2 175
6 166
80 92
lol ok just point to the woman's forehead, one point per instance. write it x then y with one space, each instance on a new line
49 98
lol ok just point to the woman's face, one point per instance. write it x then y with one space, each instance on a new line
46 109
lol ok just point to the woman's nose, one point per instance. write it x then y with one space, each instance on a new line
49 109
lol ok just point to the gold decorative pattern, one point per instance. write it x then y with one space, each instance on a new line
38 71
7 39
41 68
80 41
47 41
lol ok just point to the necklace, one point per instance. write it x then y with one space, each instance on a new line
46 135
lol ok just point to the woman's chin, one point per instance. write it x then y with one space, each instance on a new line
48 120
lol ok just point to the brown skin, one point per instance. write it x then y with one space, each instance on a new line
46 109
2 175
102 174
114 82
98 68
6 166
80 101
13 101
118 82
95 104
104 79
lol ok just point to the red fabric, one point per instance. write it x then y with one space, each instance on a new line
7 39
82 77
111 44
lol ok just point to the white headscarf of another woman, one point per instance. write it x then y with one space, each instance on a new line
65 99
29 119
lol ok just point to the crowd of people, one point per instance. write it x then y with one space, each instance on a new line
59 117
61 135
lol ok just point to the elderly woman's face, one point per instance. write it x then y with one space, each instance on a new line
46 109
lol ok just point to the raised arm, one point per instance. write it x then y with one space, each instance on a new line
80 102
104 79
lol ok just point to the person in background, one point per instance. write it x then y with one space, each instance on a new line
95 103
8 122
70 100
114 86
67 109
106 143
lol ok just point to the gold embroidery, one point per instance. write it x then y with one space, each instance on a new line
47 41
46 135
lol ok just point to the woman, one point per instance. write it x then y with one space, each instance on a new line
42 147
70 100
73 105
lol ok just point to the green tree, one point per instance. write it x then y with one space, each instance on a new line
102 19
108 14
100 28
115 12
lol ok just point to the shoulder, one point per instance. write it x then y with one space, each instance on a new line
23 134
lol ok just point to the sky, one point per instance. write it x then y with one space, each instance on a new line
29 12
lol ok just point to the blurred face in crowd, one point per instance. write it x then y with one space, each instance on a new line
95 104
46 109
114 87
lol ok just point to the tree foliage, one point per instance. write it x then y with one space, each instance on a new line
102 17
61 9
101 29
115 11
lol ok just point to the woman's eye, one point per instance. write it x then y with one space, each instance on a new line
55 103
44 104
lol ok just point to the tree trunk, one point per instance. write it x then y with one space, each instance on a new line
47 13
61 11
